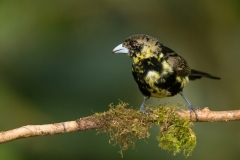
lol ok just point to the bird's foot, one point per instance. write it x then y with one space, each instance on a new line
143 110
193 109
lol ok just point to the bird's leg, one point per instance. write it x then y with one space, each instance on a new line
142 108
190 107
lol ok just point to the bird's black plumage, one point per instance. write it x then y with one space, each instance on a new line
158 70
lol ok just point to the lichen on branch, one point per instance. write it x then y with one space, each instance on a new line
125 125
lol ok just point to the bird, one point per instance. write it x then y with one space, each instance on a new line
158 70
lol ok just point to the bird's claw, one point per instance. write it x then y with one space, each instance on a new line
143 110
193 109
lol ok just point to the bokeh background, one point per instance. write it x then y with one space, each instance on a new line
56 65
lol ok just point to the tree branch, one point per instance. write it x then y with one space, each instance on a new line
86 123
93 122
205 115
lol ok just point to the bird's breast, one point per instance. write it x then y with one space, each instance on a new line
156 83
158 79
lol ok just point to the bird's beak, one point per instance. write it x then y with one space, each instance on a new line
120 49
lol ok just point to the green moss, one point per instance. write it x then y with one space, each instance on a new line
125 125
176 134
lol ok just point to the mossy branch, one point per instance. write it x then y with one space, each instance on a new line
125 125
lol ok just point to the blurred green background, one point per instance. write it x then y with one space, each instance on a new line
56 65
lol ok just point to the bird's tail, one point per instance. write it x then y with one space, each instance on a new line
198 74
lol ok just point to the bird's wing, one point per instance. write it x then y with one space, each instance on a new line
178 63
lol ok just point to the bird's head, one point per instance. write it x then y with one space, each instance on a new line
139 47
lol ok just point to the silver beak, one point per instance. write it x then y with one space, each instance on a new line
120 49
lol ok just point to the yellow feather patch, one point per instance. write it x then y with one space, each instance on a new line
153 78
145 53
161 93
167 69
182 80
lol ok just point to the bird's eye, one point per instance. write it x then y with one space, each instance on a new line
135 45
